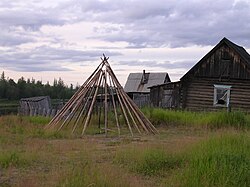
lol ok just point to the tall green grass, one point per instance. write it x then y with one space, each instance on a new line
220 161
211 120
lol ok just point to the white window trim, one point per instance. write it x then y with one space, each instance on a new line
216 86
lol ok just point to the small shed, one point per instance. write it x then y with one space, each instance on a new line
220 80
35 105
137 85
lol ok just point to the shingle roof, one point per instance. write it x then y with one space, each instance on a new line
134 81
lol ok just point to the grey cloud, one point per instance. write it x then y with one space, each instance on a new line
13 37
11 40
171 23
141 24
20 22
186 64
27 68
46 58
29 16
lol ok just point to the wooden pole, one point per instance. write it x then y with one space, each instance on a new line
76 108
106 104
85 105
68 104
148 123
123 110
131 116
114 106
91 106
142 116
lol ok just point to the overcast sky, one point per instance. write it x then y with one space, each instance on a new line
47 39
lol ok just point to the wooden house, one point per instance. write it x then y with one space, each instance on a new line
220 80
137 85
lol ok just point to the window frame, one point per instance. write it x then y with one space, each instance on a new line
228 92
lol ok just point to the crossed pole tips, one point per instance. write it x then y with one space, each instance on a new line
101 101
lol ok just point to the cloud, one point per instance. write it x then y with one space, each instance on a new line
184 64
170 23
149 24
46 58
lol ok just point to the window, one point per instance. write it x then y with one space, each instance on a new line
221 95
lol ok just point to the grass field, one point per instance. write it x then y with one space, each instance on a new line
187 152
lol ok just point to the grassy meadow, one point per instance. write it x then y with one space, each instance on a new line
192 149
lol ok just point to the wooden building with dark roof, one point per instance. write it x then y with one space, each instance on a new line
220 80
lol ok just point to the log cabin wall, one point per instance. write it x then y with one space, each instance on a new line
200 94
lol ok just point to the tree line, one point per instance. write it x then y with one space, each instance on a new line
11 90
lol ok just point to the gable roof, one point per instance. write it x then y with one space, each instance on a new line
238 49
135 81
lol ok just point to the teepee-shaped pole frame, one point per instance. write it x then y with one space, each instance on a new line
102 82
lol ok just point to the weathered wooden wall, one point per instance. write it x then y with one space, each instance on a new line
165 95
141 100
36 106
200 94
